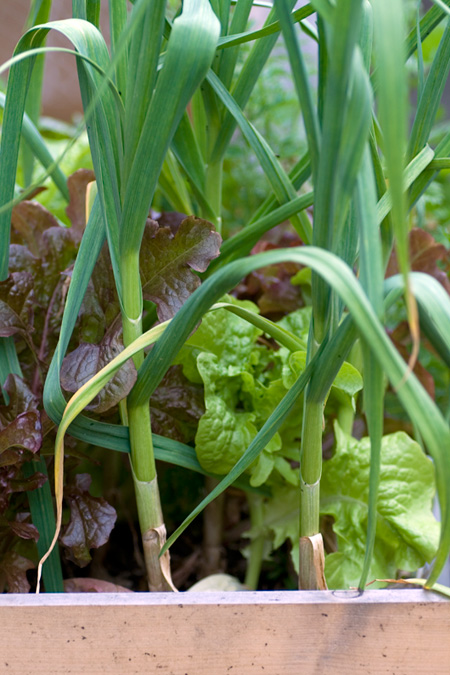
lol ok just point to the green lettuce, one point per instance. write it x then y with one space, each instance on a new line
407 532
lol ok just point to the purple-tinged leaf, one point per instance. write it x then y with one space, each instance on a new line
424 254
88 585
100 308
16 305
168 260
170 219
54 245
91 521
58 252
22 260
20 435
29 221
11 480
24 530
25 432
86 360
176 406
270 287
13 573
21 399
76 210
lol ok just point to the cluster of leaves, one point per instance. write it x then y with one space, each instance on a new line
245 376
229 376
42 254
273 109
433 258
273 288
20 440
31 302
228 379
407 531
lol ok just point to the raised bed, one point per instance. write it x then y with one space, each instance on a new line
399 632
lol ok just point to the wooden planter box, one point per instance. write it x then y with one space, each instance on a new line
290 632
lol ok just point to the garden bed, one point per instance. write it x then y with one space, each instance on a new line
387 631
284 344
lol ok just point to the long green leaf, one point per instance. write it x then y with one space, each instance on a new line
414 169
43 518
427 24
39 149
431 96
343 41
279 181
141 74
190 51
245 83
371 275
392 109
117 23
229 57
89 42
242 242
302 85
39 13
428 418
269 29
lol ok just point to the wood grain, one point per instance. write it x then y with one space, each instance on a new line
400 632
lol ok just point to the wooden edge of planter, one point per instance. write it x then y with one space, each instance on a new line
380 631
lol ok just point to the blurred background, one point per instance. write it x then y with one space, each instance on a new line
61 98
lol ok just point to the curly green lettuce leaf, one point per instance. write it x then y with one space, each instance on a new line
222 436
407 532
233 418
223 334
281 517
348 380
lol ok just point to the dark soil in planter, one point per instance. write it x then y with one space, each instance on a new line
121 561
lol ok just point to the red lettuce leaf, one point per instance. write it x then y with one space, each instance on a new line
20 423
54 245
91 521
88 585
24 432
424 254
176 406
270 287
21 399
168 260
12 481
16 305
100 308
24 530
76 210
86 360
13 573
43 249
29 221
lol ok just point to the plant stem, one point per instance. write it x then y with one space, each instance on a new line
213 530
257 544
310 473
148 502
153 533
346 417
311 468
213 191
